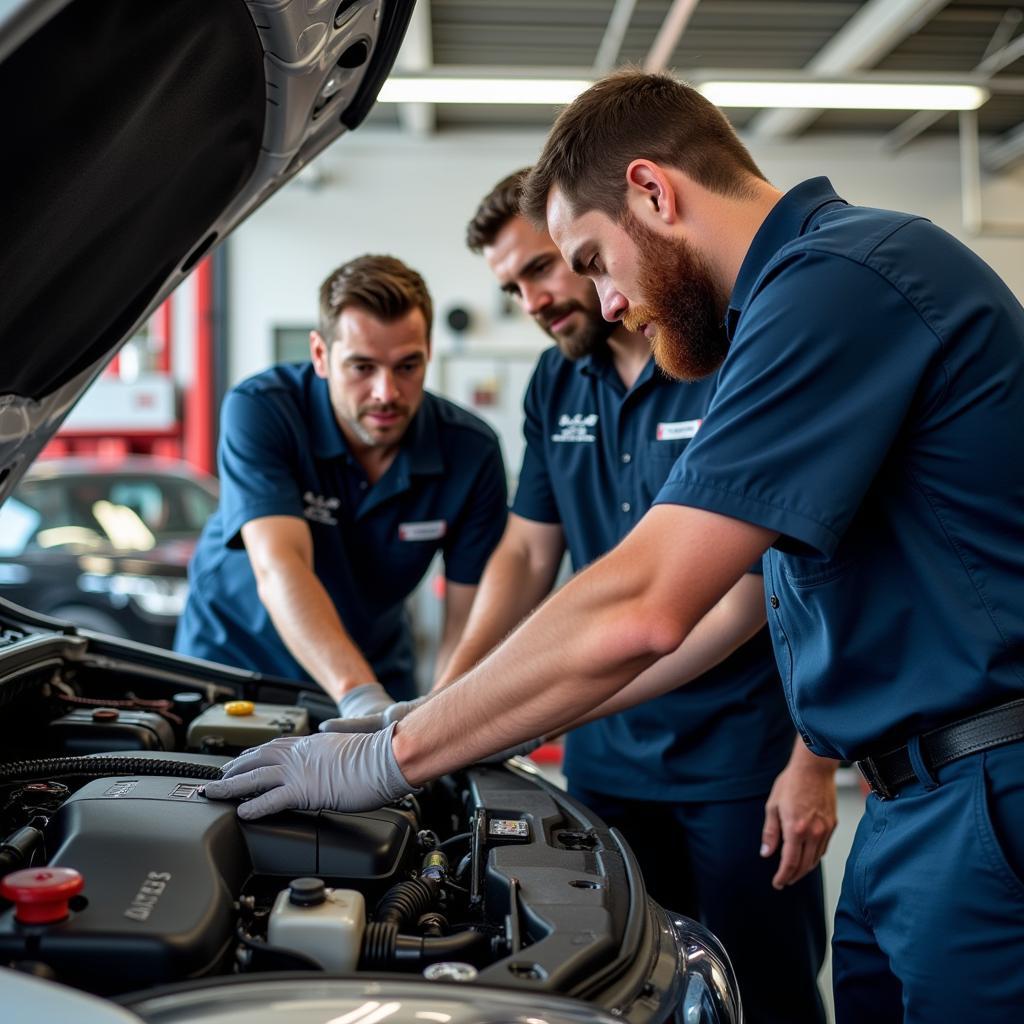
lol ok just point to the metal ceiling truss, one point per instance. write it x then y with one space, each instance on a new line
871 34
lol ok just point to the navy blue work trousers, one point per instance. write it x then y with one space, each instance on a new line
930 923
702 860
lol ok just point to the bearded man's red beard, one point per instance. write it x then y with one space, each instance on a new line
682 303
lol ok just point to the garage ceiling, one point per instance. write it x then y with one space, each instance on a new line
922 37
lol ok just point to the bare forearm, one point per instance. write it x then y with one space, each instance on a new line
511 587
729 625
803 759
458 602
445 649
600 631
542 677
308 623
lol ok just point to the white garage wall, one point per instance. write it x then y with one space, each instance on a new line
412 197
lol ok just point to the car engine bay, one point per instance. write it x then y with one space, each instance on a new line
119 875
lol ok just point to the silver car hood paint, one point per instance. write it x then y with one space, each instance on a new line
26 425
323 1001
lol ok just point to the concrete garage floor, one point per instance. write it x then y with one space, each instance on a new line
850 808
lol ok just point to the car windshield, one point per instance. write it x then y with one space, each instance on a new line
121 511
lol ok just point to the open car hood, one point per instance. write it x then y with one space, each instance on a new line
137 136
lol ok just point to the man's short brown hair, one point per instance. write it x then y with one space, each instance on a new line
381 285
627 115
496 209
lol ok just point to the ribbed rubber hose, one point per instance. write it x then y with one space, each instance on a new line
379 942
384 947
102 767
405 901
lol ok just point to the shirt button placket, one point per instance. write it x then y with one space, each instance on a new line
626 458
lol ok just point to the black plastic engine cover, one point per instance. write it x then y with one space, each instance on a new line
162 868
366 847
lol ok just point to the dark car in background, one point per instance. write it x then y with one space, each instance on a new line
136 137
105 543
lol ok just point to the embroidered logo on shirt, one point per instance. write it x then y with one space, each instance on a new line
320 509
431 529
576 428
678 431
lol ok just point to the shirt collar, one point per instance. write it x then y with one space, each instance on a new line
328 440
422 441
599 364
420 448
789 219
589 366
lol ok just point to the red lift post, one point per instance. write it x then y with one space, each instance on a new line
199 425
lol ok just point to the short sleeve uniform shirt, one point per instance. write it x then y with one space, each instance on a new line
282 453
871 409
596 455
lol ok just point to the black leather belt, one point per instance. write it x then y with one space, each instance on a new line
887 773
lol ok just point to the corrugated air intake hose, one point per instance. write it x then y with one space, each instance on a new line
102 767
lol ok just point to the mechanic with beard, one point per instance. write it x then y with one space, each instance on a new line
865 434
340 480
686 777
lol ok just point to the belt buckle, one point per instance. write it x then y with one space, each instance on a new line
868 767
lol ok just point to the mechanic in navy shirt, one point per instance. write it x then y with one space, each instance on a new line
340 481
686 776
865 432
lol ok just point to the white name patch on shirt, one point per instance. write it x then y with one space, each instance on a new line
432 529
678 431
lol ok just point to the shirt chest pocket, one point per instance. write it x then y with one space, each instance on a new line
654 463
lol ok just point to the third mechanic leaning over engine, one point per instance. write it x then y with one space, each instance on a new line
341 479
865 434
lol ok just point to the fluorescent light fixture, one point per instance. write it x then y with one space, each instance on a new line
482 90
815 95
845 95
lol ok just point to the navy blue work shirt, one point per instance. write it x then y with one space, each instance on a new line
871 410
282 453
596 455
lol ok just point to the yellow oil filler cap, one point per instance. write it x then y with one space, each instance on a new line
239 708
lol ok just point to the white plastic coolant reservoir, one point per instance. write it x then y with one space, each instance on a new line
326 924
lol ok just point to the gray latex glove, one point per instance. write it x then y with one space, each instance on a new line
394 712
341 773
367 699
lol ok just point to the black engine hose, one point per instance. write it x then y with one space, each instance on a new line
384 948
17 849
406 901
102 767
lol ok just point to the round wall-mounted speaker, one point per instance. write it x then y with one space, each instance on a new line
458 319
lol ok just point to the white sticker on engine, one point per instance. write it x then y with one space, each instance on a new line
514 828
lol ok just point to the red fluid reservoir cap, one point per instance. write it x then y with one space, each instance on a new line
41 895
